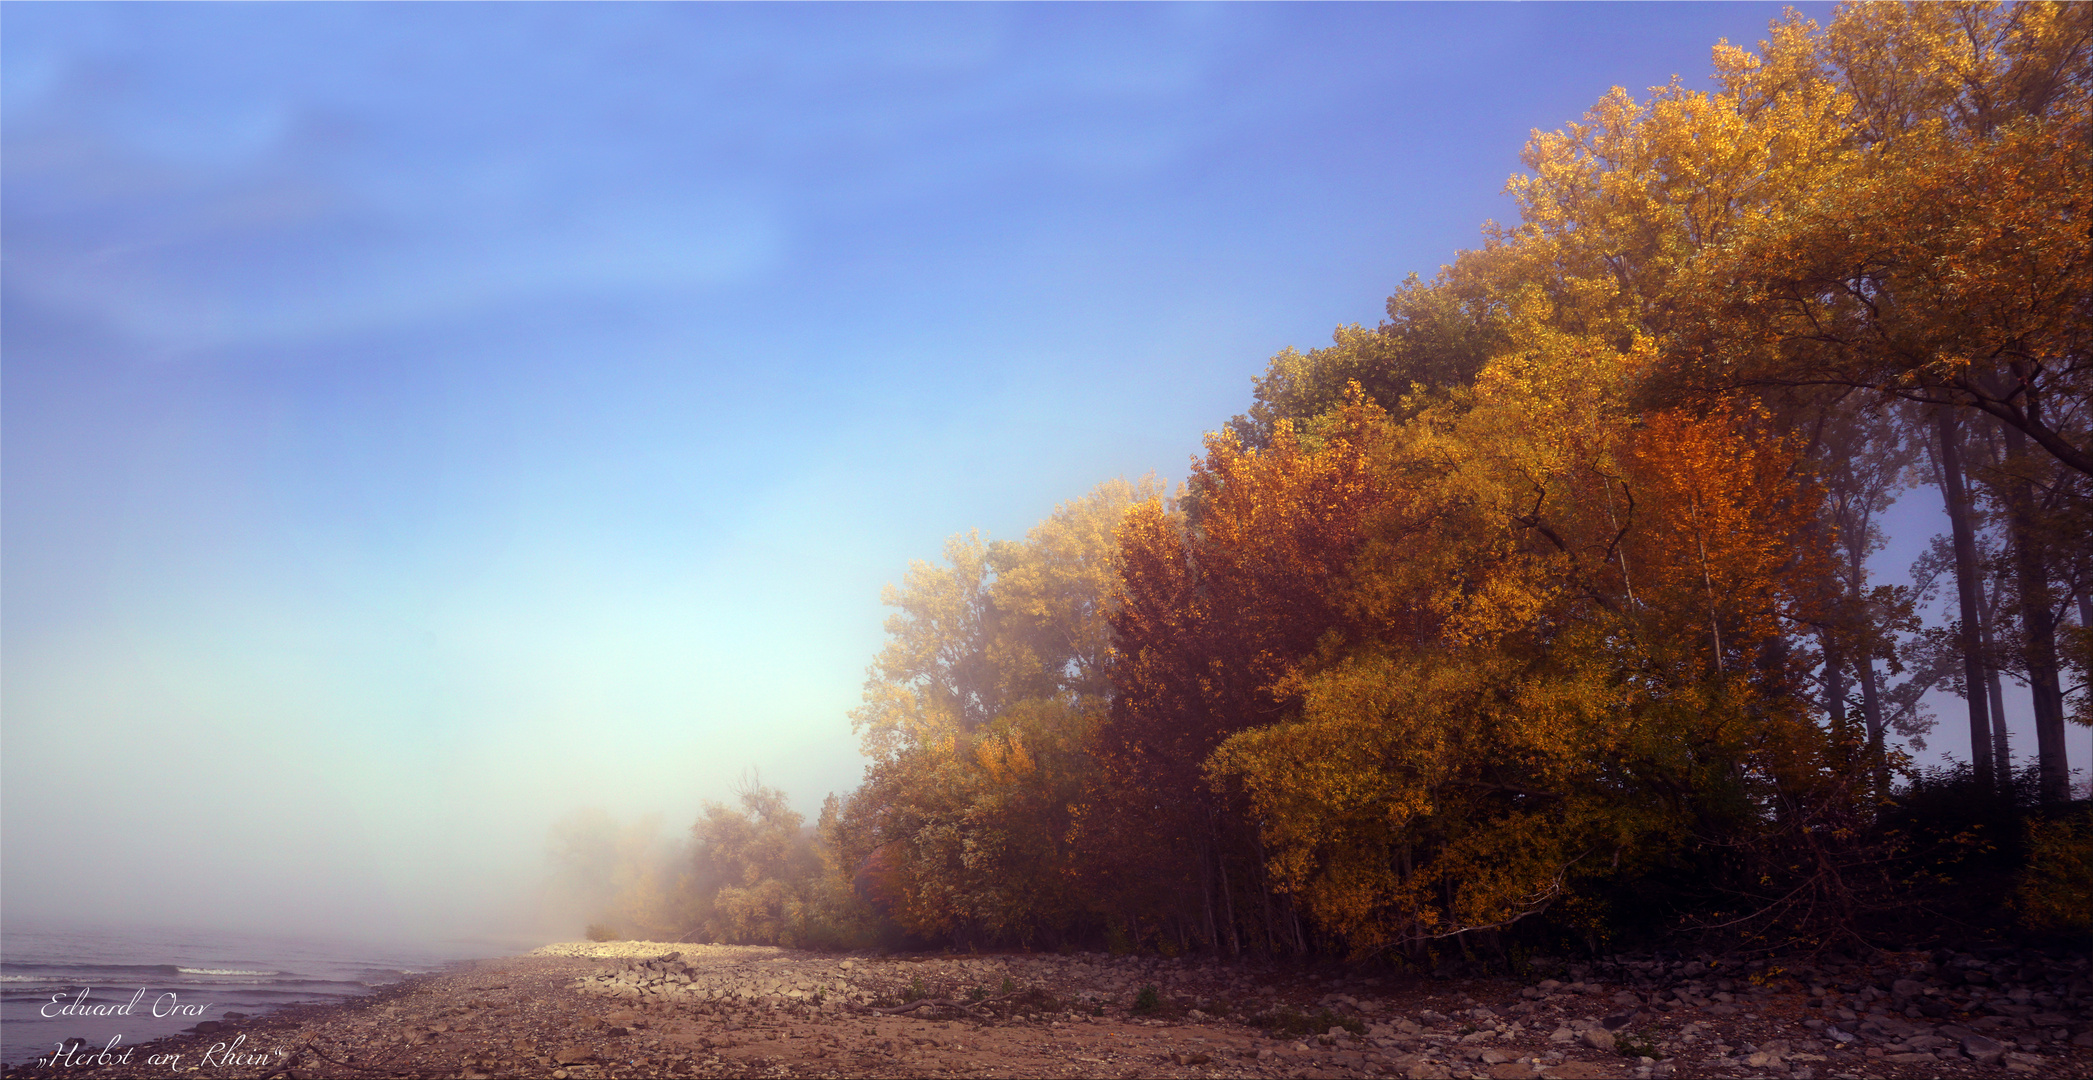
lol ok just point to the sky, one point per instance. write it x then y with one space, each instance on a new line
421 422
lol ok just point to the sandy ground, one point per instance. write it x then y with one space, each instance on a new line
634 1009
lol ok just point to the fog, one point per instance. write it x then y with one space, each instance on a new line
422 424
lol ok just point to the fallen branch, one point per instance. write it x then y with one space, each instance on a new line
962 1006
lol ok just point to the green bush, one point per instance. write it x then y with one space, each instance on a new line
1293 1023
1636 1044
1147 1001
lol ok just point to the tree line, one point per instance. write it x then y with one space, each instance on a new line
1544 604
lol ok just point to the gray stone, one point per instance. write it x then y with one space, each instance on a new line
1599 1039
1983 1049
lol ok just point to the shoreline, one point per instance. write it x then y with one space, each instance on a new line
190 1047
582 1012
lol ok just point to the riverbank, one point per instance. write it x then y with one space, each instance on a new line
137 983
580 1011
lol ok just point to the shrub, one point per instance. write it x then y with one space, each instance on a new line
1638 1044
2055 891
1293 1023
1034 999
602 932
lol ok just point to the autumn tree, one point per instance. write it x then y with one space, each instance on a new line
1937 256
1557 578
977 720
619 874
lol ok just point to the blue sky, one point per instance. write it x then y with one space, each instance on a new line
423 421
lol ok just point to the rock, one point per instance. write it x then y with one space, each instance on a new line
1580 1070
1913 1058
1618 1021
1599 1039
1983 1049
573 1055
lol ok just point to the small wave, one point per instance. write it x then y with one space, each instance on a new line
67 971
223 971
300 995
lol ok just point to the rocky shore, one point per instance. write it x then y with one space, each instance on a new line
634 1009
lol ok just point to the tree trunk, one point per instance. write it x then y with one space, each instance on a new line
1966 584
1206 897
1264 885
1870 692
2038 624
1834 686
1871 708
1988 596
2001 746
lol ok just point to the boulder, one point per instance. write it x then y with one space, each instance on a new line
1983 1049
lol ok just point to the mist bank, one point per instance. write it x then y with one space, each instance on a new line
1543 611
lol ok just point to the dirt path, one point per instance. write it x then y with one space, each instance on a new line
714 1011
